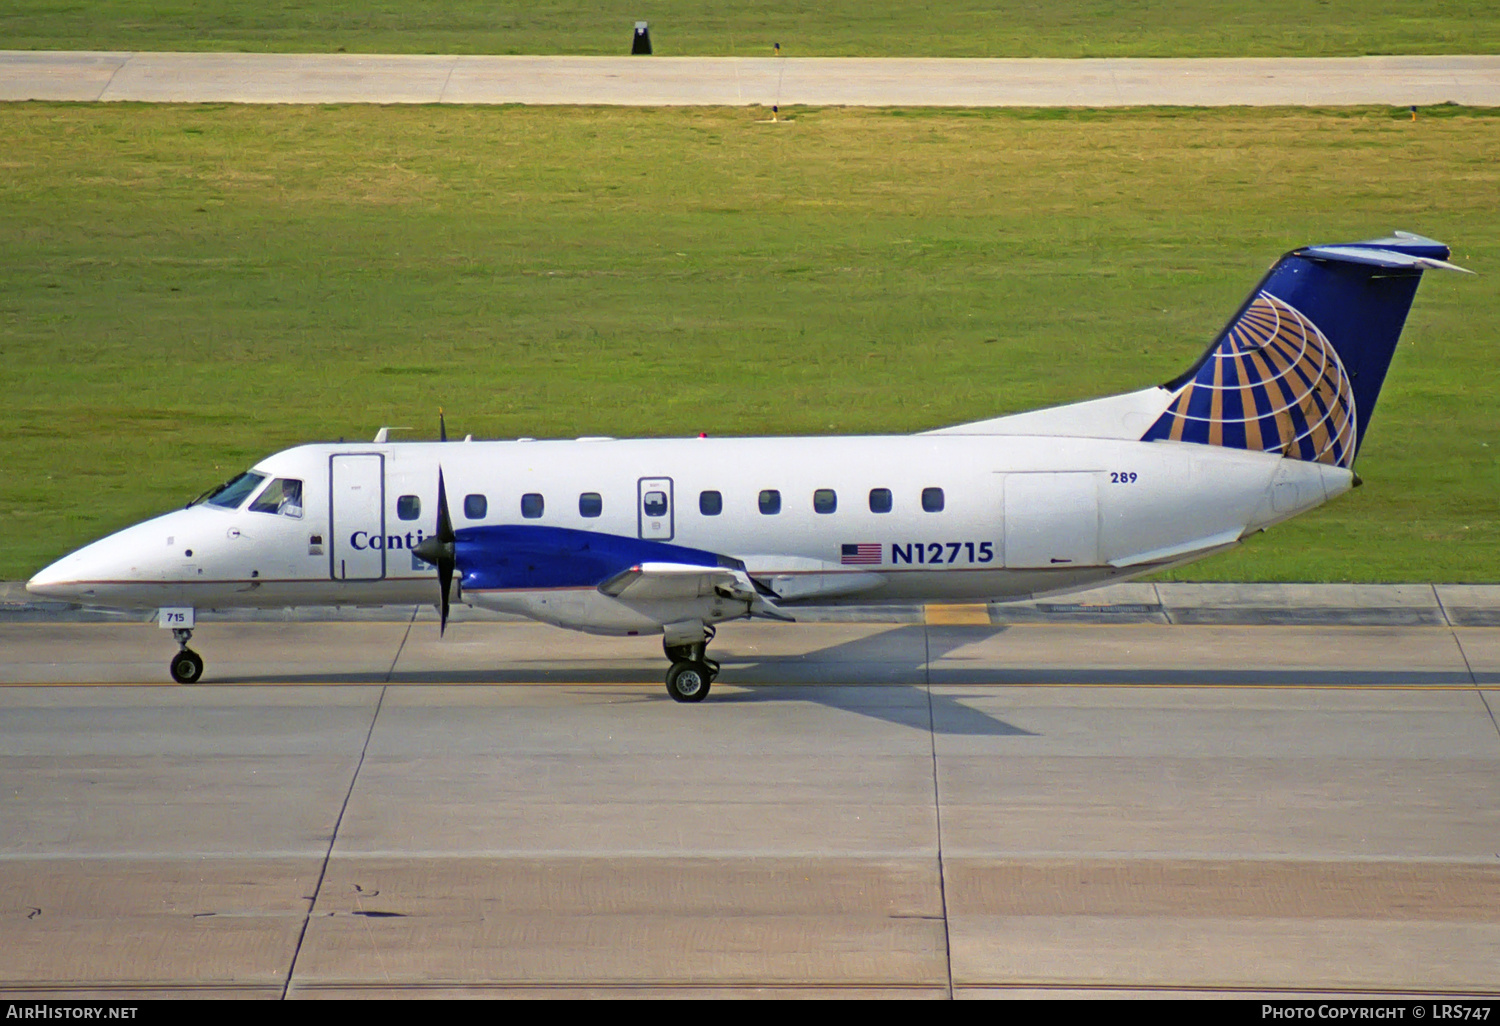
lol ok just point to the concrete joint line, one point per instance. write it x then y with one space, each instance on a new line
1474 680
391 672
1165 612
443 92
118 68
937 810
1438 598
312 903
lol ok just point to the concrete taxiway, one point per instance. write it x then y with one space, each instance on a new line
924 809
729 81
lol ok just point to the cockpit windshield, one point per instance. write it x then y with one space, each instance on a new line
231 493
283 495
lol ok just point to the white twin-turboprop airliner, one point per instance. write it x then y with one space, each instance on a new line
672 536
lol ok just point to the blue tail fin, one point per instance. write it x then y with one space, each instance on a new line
1298 369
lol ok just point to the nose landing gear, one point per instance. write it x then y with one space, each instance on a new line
692 672
186 666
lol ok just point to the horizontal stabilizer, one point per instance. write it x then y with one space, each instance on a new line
1381 258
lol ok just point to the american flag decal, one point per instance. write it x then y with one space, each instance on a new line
863 554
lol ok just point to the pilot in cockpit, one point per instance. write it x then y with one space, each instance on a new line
283 496
291 498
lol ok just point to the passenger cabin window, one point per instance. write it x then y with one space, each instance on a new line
880 500
233 492
408 507
654 504
825 500
590 504
770 501
932 500
476 506
531 505
283 496
710 504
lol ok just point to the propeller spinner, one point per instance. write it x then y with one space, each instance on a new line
440 550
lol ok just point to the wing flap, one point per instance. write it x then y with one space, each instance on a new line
666 582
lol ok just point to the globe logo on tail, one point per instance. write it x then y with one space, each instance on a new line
1275 384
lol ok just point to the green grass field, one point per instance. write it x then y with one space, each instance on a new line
871 28
184 289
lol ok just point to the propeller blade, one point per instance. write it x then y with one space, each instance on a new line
445 581
441 550
445 522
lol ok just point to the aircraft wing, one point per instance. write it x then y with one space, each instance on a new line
665 582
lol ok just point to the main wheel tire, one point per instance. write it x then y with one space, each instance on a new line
688 681
186 666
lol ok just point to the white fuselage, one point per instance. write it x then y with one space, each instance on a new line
1006 516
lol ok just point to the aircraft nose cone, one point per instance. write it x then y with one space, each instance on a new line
124 560
54 582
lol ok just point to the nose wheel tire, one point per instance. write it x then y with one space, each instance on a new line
186 666
689 680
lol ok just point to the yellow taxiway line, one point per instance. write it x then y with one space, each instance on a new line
954 615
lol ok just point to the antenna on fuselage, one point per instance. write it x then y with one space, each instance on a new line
442 426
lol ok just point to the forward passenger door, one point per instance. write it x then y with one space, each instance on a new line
356 517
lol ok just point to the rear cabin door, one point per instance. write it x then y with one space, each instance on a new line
654 508
356 517
1051 520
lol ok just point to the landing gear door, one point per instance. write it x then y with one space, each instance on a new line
356 517
654 508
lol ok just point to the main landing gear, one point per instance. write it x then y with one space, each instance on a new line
186 666
692 672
